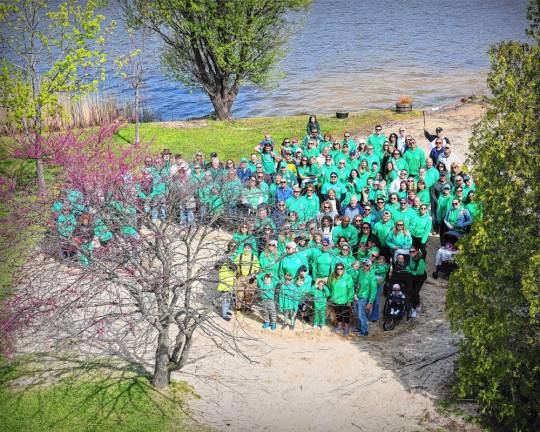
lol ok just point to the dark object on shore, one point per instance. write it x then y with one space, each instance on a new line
403 108
342 114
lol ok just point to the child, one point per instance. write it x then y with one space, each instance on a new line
288 301
380 268
267 287
395 300
320 296
226 277
304 284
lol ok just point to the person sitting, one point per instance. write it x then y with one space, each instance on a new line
457 219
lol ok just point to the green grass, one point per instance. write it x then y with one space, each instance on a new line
238 138
94 404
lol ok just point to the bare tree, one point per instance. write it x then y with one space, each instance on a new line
126 265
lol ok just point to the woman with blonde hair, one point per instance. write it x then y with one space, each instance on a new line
399 240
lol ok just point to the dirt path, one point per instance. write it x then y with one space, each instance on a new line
305 381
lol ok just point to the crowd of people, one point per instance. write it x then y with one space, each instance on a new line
317 223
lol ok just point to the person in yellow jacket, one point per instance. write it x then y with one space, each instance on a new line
247 267
226 280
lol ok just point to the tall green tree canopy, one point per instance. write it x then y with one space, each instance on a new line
46 52
494 297
217 45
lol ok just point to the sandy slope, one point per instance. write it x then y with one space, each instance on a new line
305 381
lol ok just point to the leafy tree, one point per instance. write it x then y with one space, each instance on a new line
46 53
217 45
494 297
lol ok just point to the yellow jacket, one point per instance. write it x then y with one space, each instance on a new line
246 265
226 278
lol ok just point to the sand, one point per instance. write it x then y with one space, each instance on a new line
305 381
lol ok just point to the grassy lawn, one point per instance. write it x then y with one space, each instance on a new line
238 138
125 403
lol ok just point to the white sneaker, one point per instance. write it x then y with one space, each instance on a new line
413 313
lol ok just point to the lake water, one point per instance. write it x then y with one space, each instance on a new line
357 55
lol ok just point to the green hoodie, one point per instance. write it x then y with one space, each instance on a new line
342 289
320 296
422 227
367 285
416 268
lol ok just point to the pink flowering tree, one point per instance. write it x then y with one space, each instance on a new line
114 272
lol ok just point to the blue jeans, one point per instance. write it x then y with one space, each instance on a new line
186 217
375 312
362 316
225 303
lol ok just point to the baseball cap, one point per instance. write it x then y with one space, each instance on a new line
396 287
243 159
439 129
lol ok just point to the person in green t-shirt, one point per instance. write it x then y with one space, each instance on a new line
377 140
267 284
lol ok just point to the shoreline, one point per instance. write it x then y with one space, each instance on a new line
460 101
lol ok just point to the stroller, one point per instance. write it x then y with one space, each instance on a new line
395 308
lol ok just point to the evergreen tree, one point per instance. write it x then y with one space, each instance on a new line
493 298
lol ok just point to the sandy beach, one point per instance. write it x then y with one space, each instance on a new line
308 381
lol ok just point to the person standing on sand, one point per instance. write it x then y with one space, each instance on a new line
320 295
267 283
439 135
341 287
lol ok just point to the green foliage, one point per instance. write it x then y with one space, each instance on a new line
49 52
218 45
494 297
238 138
125 402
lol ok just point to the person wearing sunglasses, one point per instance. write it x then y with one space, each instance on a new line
365 295
399 240
421 229
444 202
415 157
457 219
338 187
377 140
341 286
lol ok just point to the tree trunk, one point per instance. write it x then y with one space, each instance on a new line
185 351
40 177
162 376
222 105
137 126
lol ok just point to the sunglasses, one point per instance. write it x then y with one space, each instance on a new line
399 225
